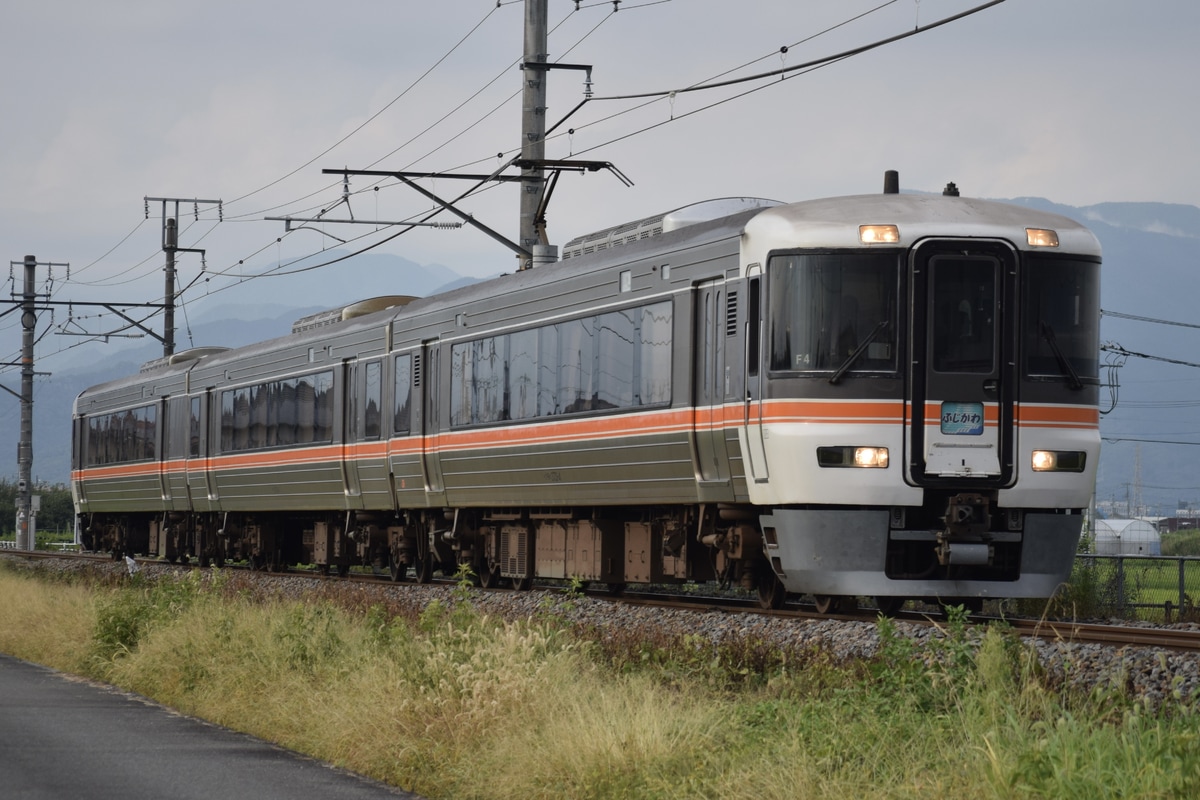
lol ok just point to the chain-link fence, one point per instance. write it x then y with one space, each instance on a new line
1152 588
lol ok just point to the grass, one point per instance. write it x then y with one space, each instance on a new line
450 703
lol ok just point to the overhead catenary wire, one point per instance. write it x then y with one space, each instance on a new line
697 87
376 115
807 66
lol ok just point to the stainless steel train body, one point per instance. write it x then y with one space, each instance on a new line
891 395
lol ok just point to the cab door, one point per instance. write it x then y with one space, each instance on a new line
712 458
963 375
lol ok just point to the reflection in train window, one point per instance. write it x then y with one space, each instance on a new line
615 360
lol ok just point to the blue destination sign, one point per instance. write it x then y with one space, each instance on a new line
962 419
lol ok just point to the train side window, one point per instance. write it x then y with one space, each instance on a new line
227 403
323 428
194 428
487 386
402 415
522 374
373 398
285 425
547 371
122 436
576 345
753 316
461 378
616 359
654 334
306 409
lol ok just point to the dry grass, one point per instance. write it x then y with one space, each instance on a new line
449 703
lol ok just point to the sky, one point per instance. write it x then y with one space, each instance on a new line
105 104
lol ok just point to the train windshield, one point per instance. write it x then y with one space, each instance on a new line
1062 320
833 311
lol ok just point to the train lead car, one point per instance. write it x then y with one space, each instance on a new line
889 395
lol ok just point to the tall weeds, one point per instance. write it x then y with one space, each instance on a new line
452 703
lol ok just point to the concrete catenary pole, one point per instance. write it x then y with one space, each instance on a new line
170 245
25 445
533 122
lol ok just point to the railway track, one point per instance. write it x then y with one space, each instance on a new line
1068 631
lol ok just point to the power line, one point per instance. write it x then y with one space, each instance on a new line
1155 320
376 115
1113 347
1115 439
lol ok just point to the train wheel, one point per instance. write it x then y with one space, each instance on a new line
489 576
771 592
424 569
827 603
343 570
396 570
522 584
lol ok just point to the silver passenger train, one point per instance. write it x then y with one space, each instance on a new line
891 395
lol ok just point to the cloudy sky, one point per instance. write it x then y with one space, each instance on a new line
1079 101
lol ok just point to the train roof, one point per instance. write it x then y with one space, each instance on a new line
833 222
759 225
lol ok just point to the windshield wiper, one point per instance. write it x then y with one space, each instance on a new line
1068 371
858 351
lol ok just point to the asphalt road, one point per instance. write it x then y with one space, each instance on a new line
63 738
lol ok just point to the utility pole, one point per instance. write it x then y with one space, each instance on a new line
532 245
26 508
170 246
25 445
533 126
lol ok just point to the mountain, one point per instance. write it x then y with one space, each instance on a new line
1149 271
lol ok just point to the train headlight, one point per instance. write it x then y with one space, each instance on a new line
1041 237
1059 460
851 456
878 234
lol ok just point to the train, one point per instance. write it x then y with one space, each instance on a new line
889 396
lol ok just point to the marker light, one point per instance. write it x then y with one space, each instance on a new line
850 456
878 234
1059 460
1041 237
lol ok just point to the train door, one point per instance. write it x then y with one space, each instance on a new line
79 460
963 378
427 385
164 449
352 430
708 385
197 465
752 413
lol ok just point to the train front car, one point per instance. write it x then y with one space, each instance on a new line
921 420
